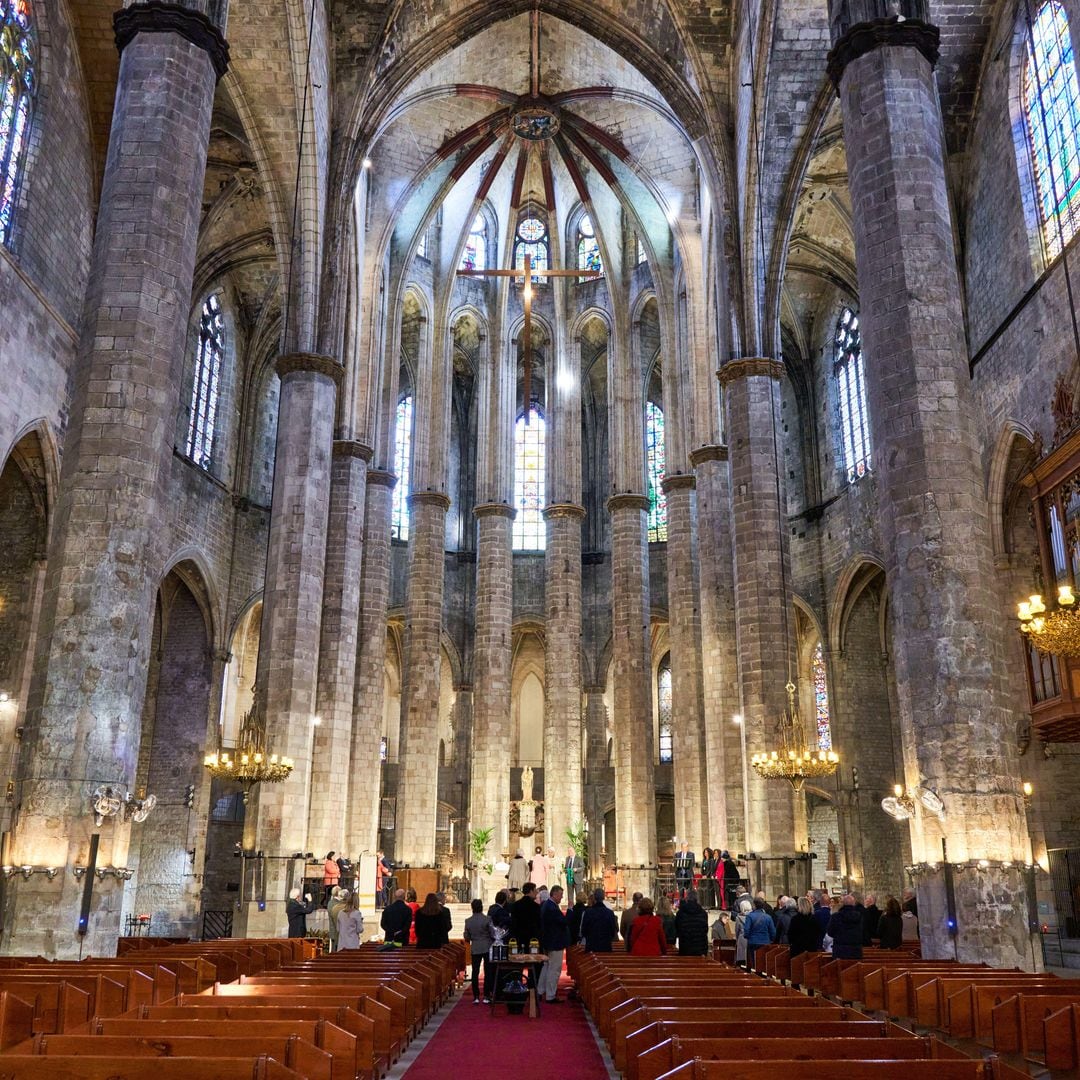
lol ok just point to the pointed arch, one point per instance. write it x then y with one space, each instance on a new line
861 570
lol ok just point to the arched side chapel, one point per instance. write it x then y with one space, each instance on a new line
328 456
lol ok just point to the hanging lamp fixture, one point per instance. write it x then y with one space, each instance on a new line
250 763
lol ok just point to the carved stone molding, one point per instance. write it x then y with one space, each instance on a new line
748 366
564 510
712 452
865 37
483 510
429 498
158 17
303 361
678 482
627 501
351 448
382 478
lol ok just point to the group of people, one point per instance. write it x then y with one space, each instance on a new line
544 870
843 926
715 878
346 921
407 922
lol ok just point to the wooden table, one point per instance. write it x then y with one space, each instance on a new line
534 963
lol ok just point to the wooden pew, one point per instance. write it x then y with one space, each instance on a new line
1061 1036
109 1068
1017 1021
813 1070
933 997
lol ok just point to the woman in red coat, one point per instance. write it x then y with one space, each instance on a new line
647 936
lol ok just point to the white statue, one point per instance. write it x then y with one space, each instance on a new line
527 784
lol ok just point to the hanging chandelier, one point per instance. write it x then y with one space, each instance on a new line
250 764
793 761
1056 631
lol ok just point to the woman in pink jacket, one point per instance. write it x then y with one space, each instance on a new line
538 868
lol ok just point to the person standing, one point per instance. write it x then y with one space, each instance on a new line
759 929
396 921
499 912
297 911
517 875
846 930
804 931
871 919
477 933
729 879
710 862
666 914
692 927
554 940
554 873
684 869
573 919
525 917
331 876
414 907
647 932
334 908
626 920
574 871
785 913
350 922
599 927
538 868
431 932
890 928
345 872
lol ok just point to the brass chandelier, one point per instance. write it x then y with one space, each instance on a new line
793 761
1056 631
250 764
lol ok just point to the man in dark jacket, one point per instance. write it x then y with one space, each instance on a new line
297 911
822 912
599 927
871 918
554 940
499 912
846 930
396 921
573 919
525 917
692 927
729 881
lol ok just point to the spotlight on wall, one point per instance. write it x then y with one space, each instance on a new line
1029 790
366 163
5 697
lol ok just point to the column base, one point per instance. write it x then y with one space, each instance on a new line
989 920
42 917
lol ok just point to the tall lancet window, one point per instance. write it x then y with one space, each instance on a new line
529 493
588 247
1052 111
18 85
665 739
403 424
821 699
851 390
474 257
206 384
532 240
654 467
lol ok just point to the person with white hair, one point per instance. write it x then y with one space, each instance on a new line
745 907
297 911
350 921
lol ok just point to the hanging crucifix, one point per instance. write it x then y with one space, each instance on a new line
534 121
527 298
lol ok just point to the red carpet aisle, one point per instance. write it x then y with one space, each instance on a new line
471 1043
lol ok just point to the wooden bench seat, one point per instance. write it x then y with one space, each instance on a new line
1017 1021
699 1069
109 1068
1061 1036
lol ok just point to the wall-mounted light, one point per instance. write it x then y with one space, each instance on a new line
28 871
123 873
109 802
1028 789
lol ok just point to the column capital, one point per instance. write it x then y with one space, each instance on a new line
627 501
430 498
156 16
483 510
304 361
381 478
352 448
861 26
597 690
712 452
678 482
748 366
564 510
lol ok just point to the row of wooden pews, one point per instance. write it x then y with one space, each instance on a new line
1008 1010
695 1019
166 1012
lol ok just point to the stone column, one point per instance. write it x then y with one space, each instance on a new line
330 781
563 726
369 692
83 718
719 662
931 500
635 796
595 770
489 805
419 756
762 588
292 616
687 705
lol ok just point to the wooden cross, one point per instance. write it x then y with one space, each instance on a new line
530 279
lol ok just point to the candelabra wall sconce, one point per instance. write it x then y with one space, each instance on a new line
123 873
900 805
27 871
109 802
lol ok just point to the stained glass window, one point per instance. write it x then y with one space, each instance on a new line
1052 109
531 240
821 699
18 85
206 384
663 704
588 250
654 466
403 423
529 494
475 254
851 387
